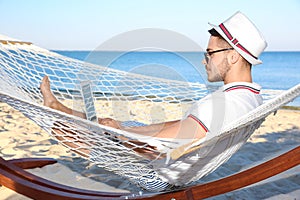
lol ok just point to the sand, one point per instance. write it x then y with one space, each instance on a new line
20 138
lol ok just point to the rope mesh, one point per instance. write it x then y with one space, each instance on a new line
125 97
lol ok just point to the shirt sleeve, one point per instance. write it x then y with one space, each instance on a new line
209 112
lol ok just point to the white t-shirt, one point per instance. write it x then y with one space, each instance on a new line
225 105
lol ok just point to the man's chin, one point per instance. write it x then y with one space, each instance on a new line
214 80
211 80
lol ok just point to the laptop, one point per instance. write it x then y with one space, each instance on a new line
88 99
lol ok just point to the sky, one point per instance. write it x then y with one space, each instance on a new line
86 24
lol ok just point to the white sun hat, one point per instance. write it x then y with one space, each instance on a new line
243 36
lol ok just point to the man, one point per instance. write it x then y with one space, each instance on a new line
234 46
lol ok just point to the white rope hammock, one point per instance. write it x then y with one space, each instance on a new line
178 162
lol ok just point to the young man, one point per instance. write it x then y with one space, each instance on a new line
234 46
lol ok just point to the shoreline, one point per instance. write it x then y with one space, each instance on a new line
295 108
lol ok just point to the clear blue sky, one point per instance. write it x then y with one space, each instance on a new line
85 24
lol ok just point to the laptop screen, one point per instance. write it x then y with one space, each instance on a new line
88 99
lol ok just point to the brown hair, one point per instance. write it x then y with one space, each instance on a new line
222 42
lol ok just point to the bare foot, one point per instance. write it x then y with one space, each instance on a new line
49 99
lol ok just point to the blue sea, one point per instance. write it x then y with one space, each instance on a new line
279 71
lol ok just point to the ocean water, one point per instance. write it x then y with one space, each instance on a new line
279 71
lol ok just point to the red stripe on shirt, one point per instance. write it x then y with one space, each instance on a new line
243 87
199 122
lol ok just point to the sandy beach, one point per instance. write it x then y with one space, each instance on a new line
20 138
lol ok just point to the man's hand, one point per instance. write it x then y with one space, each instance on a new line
109 122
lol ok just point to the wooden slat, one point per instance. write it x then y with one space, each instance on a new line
29 163
14 42
253 175
11 178
17 179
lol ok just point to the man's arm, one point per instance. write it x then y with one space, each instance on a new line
180 129
187 128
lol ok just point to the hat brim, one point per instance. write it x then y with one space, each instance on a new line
249 58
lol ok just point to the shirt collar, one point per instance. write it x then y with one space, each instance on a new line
252 87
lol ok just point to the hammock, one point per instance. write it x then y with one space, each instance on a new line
177 162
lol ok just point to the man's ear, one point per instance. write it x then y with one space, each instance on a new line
234 57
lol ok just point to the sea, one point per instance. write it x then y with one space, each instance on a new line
279 71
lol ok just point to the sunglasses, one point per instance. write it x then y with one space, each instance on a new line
209 53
